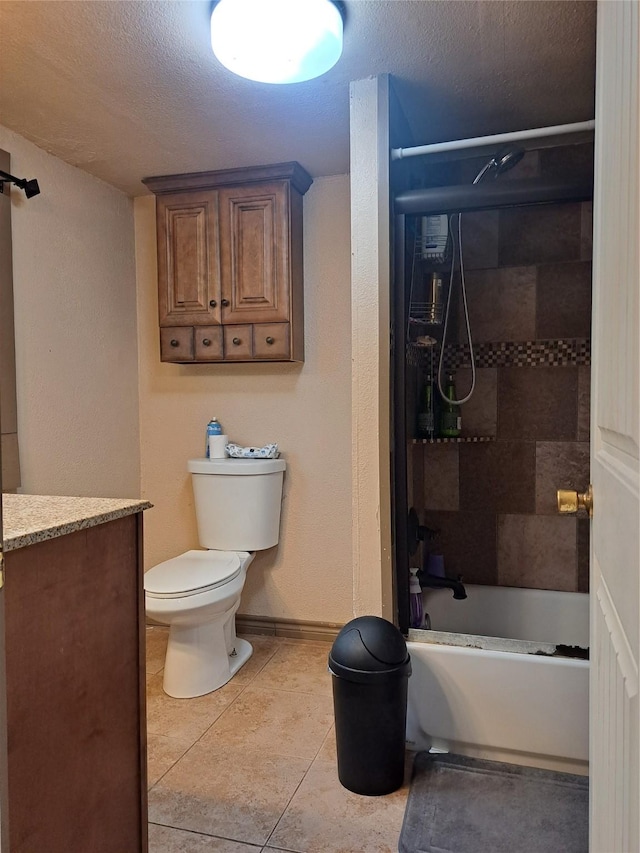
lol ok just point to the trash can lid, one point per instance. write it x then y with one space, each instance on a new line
366 646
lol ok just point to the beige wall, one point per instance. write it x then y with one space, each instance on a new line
74 290
305 408
8 403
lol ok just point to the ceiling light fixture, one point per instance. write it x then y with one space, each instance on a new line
277 41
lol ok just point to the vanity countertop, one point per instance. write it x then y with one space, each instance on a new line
28 519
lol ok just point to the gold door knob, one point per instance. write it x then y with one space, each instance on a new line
570 501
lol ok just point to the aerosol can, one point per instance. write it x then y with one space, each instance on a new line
214 427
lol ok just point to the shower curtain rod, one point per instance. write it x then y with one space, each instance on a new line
493 195
497 138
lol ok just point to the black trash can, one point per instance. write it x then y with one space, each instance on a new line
370 666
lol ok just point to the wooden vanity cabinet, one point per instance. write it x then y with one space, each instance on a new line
230 260
75 670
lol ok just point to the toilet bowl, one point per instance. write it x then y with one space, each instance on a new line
197 594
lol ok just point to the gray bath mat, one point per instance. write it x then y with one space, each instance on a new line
465 805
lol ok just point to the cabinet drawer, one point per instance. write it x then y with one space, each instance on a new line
208 343
271 340
237 343
176 343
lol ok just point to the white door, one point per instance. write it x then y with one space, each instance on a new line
615 561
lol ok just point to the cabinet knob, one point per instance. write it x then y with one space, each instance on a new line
174 342
237 341
206 342
224 302
270 340
212 303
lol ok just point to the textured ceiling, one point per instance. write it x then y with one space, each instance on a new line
126 90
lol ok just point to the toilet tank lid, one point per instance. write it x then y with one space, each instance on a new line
235 466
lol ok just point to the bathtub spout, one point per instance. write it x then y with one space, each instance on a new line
435 582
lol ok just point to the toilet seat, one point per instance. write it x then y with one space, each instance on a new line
192 573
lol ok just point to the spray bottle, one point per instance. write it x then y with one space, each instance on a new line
416 608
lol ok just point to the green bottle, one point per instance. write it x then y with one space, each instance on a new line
450 419
426 411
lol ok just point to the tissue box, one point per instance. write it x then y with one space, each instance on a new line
269 451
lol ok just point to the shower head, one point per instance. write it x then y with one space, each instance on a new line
507 158
503 160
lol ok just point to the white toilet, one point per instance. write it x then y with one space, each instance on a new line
198 593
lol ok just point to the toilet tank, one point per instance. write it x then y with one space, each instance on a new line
237 502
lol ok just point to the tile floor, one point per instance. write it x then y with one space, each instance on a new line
252 766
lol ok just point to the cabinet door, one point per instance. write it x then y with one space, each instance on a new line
254 255
75 693
188 258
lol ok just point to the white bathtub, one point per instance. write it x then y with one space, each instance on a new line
470 694
519 614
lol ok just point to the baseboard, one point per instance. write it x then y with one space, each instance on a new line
291 628
269 626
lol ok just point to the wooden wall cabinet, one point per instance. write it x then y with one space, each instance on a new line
230 279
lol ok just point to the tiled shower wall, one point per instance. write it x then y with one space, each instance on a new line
528 275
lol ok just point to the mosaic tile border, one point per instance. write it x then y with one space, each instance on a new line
462 439
544 353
